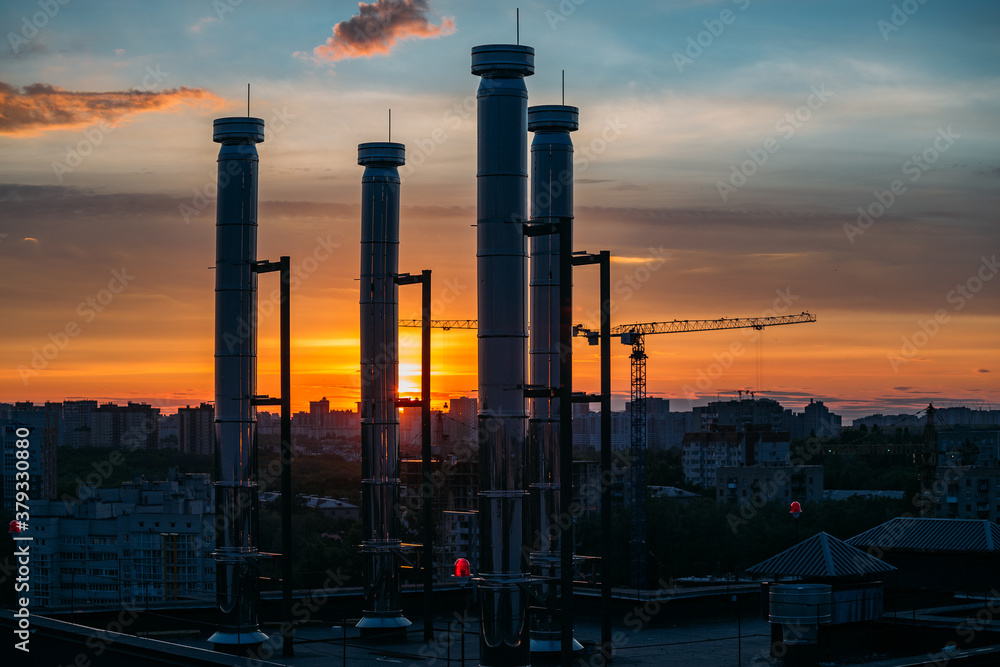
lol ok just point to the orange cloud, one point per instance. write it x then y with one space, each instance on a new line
41 107
378 26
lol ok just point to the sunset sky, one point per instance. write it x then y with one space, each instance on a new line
725 150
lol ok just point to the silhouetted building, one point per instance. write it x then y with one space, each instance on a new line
76 416
587 430
196 429
954 416
759 484
132 426
461 422
815 418
818 421
319 412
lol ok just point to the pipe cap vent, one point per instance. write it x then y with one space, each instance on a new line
240 129
382 153
503 60
553 118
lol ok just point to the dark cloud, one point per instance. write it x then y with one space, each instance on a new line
41 107
983 370
33 47
378 26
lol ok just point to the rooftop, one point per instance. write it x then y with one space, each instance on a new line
822 555
937 535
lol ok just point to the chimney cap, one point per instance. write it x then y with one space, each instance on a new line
503 60
553 118
238 130
384 153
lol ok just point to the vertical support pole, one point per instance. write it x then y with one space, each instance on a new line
425 446
606 546
566 541
287 647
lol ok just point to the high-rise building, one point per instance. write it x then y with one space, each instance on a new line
40 426
461 422
196 429
819 422
704 453
587 430
76 416
707 451
319 412
132 426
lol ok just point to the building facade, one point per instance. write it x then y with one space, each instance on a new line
41 427
132 426
76 416
196 429
759 484
144 541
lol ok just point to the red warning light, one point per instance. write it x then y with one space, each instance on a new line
462 568
15 527
795 510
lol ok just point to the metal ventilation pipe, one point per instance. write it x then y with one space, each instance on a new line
237 590
380 384
551 199
502 268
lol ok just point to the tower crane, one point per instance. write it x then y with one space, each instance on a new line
442 324
635 335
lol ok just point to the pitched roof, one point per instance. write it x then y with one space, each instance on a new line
939 535
822 555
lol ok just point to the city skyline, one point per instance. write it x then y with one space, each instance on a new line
724 151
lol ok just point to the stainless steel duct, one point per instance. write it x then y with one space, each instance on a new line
551 200
380 384
237 590
502 267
